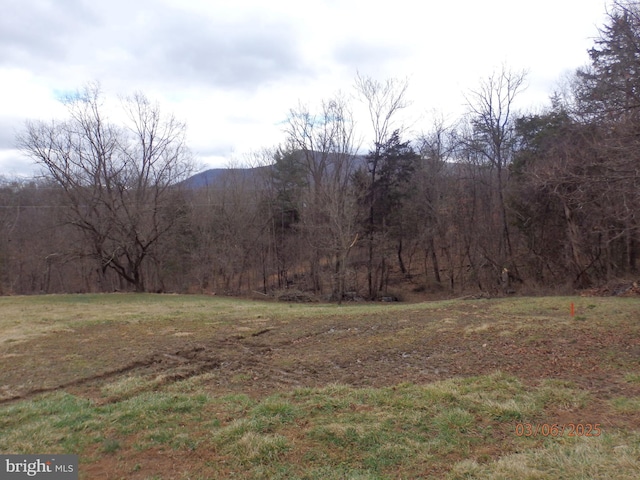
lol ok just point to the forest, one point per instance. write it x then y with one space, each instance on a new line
497 201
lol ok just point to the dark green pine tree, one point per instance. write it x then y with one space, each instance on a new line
609 88
395 164
387 186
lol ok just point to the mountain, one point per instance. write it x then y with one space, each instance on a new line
216 176
204 179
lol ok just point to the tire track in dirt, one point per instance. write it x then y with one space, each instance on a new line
185 360
196 363
179 361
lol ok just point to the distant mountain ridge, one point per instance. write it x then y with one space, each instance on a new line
216 176
203 179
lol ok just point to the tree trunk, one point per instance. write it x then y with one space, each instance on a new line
434 261
582 279
403 269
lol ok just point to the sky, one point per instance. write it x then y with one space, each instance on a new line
232 70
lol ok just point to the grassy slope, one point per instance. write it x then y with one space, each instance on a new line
139 425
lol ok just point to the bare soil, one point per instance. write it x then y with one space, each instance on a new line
261 359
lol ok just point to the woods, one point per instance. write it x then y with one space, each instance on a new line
494 200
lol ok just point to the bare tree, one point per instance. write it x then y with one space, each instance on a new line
384 99
118 183
432 179
491 139
325 147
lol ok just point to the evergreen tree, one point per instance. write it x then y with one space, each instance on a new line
609 88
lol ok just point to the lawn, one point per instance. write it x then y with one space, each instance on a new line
197 387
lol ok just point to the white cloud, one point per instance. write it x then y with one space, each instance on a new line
233 68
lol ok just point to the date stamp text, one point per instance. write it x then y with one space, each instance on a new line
558 429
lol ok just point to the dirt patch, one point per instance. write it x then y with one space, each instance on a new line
356 352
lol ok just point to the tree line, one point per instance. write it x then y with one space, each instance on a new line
496 199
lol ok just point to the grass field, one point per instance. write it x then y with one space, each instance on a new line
194 387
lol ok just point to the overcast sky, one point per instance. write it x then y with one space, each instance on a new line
233 69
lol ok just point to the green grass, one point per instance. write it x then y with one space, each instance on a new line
332 431
632 377
626 405
608 456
